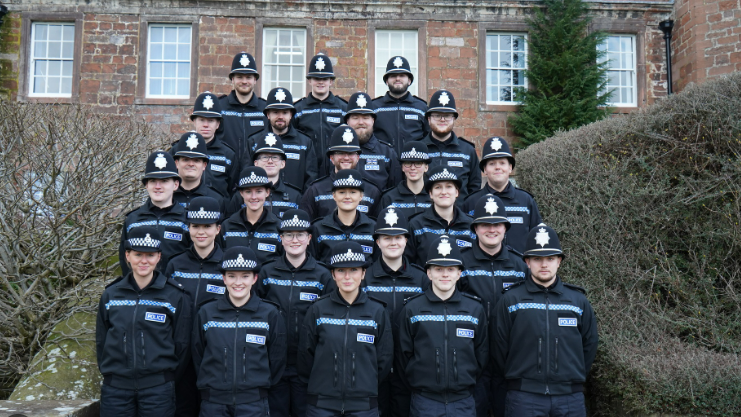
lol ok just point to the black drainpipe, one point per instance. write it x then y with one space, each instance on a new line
666 27
3 12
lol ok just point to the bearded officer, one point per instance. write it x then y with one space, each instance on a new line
545 338
191 161
401 116
410 196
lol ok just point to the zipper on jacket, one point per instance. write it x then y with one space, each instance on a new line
445 352
547 337
290 302
455 365
540 354
344 358
226 367
393 293
133 334
198 286
234 355
336 369
144 352
244 364
437 363
352 378
556 359
126 350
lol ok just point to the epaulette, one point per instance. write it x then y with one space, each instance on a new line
292 186
513 285
379 97
576 287
467 141
420 99
115 281
223 95
133 210
175 284
273 303
342 99
387 189
414 215
318 179
385 143
321 263
266 263
260 98
383 303
406 300
471 296
413 265
299 100
206 301
509 248
323 297
526 191
227 145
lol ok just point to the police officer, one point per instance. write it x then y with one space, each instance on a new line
346 346
443 341
242 110
293 281
142 334
301 157
320 112
410 196
391 279
344 152
160 180
380 163
255 226
239 346
345 222
447 149
545 337
191 161
490 267
401 116
497 164
443 218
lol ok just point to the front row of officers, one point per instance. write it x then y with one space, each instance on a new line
341 322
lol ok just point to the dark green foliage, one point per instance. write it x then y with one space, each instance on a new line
565 79
647 207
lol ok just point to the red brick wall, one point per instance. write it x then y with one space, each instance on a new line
10 46
346 43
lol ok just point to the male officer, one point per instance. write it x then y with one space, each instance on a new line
497 163
320 112
410 196
191 161
447 149
401 116
242 110
443 341
379 161
293 281
392 279
344 152
301 158
490 267
545 337
161 180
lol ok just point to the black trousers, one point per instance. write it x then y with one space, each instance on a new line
187 396
313 411
288 397
156 401
425 407
393 397
259 408
526 404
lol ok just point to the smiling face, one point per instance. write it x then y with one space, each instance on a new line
272 163
497 172
543 268
441 123
243 84
392 247
160 190
348 279
398 83
254 197
279 119
142 263
363 125
190 169
320 86
347 199
295 243
239 284
344 160
206 126
414 171
443 194
444 278
203 235
490 236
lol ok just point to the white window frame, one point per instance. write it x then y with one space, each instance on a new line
176 61
411 54
624 70
32 59
271 64
488 67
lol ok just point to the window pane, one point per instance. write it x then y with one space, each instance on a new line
170 52
171 35
67 50
53 84
155 87
67 68
39 84
55 68
169 60
41 31
183 70
505 52
39 68
66 85
55 32
183 52
55 49
183 87
184 35
285 50
168 87
68 33
39 50
156 33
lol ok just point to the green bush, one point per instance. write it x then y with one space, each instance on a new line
647 207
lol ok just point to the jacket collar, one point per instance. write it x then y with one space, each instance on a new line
431 214
157 283
329 220
233 100
433 298
451 141
175 208
479 253
531 286
309 264
372 143
509 190
406 98
214 256
290 134
310 99
267 217
377 270
337 298
225 304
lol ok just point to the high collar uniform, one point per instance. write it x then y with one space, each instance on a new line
283 197
328 231
443 345
459 155
240 121
402 198
239 352
379 163
302 163
400 120
183 197
262 237
545 339
522 212
319 202
393 287
200 277
172 231
142 336
294 289
344 351
428 226
317 119
222 171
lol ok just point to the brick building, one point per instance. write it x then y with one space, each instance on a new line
153 57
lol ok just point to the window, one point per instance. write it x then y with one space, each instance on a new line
52 59
169 60
391 43
506 58
284 60
619 53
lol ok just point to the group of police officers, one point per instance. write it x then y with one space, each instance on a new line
338 258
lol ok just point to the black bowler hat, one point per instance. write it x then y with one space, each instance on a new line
347 254
398 65
442 101
191 145
343 139
239 258
279 98
415 151
269 143
391 222
244 63
206 105
542 241
160 165
440 173
489 209
320 67
444 252
496 147
204 210
295 220
253 177
348 178
143 239
359 103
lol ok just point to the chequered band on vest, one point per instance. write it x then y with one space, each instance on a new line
342 322
238 263
347 182
429 317
131 303
236 325
195 275
373 288
146 242
289 283
541 306
413 154
295 222
253 179
203 214
445 175
350 256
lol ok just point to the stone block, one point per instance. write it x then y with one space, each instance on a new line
79 408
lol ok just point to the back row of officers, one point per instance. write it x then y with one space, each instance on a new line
251 287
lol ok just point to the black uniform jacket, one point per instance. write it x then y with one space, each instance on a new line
142 336
402 198
487 276
204 189
545 339
345 350
294 289
522 212
238 352
319 202
302 159
200 277
317 119
172 231
283 197
223 167
379 163
428 226
459 156
400 120
443 345
263 237
328 231
240 121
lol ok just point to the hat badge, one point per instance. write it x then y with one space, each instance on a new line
192 142
208 103
160 162
280 95
202 210
270 139
240 259
147 238
295 218
444 99
350 254
362 102
542 238
496 144
252 175
443 248
347 136
491 206
398 62
244 60
319 64
350 178
391 218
